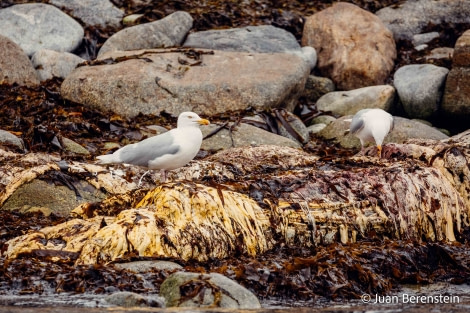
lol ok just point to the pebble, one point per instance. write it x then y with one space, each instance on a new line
323 119
442 53
316 128
420 39
7 138
73 147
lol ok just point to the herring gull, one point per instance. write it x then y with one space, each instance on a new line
372 125
167 151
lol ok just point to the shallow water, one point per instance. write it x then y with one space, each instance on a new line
439 297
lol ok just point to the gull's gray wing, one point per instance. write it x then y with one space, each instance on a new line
357 122
149 149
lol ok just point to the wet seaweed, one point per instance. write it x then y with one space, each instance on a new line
333 272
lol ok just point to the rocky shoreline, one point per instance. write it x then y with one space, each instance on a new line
292 212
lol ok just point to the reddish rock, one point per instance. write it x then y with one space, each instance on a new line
456 101
15 66
354 47
461 56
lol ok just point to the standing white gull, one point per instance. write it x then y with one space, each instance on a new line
167 151
372 125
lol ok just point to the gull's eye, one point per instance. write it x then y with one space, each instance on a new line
189 116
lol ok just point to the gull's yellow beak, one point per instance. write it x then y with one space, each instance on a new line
203 121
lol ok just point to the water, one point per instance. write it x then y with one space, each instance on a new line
408 299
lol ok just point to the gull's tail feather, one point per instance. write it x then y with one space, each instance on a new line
107 159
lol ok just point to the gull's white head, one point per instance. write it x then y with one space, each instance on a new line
186 119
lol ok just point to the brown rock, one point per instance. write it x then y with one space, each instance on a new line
15 66
354 47
461 56
456 100
153 81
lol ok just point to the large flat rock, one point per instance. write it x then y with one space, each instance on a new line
159 80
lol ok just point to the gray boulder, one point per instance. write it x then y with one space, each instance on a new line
410 17
157 81
420 88
216 291
15 66
349 102
50 63
98 13
260 39
264 38
403 130
420 39
168 32
59 199
36 26
241 136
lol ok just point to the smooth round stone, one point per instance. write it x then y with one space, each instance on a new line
37 26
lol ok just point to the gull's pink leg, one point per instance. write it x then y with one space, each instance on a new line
163 175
